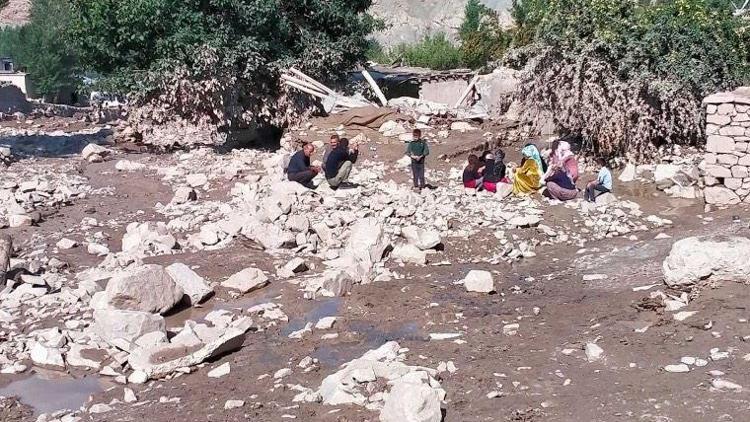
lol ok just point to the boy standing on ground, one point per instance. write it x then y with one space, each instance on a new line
417 150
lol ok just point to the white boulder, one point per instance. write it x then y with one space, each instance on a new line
147 288
423 239
698 258
246 280
191 283
479 281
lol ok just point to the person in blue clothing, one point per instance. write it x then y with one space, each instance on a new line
299 169
602 184
339 163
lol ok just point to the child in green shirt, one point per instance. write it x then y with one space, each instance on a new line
417 150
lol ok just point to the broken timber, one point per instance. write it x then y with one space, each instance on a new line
330 99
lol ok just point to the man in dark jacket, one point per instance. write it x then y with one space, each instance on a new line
300 170
339 163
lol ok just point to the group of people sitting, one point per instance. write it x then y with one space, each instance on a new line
557 176
338 160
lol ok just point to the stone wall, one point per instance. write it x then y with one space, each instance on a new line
727 158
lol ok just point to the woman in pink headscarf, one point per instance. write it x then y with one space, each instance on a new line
562 174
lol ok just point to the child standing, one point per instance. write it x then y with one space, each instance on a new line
417 150
602 184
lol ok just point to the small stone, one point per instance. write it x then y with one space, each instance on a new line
246 280
281 373
129 396
680 368
325 323
219 371
233 404
593 352
66 243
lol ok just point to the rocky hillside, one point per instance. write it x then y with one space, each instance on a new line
16 12
409 20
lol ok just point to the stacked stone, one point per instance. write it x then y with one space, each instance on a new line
727 158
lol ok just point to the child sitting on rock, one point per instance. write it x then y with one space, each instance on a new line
602 184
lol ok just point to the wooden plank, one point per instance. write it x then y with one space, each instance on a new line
312 81
467 92
375 87
300 82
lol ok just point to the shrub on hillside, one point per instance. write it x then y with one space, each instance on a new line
629 76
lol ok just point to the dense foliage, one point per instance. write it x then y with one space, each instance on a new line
433 51
629 75
217 59
41 49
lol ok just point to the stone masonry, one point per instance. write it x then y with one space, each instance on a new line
727 158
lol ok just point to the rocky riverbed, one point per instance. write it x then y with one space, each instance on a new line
199 282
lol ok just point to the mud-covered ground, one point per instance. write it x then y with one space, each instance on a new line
538 373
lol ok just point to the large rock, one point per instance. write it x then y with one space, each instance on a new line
150 363
720 195
664 175
122 328
364 249
628 173
698 258
191 283
49 357
409 254
479 281
423 239
413 402
246 280
148 288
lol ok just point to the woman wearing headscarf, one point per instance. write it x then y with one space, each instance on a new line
494 171
527 177
562 174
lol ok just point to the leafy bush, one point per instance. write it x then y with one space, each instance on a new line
217 61
629 75
41 48
434 52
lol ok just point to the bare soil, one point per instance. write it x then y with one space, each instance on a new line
535 379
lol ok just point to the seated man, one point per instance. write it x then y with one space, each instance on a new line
339 163
300 170
333 143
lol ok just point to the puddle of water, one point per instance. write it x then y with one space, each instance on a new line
338 354
177 318
46 395
323 308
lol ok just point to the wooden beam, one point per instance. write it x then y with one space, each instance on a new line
467 91
375 87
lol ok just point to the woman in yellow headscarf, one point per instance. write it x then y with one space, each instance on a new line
526 179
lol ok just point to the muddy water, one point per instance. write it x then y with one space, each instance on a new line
46 394
321 309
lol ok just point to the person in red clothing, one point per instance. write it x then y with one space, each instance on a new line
472 176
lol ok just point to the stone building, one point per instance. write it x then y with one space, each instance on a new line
727 158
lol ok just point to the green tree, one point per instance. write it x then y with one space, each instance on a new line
482 38
218 58
41 48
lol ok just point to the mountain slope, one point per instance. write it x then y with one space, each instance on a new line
16 12
410 20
